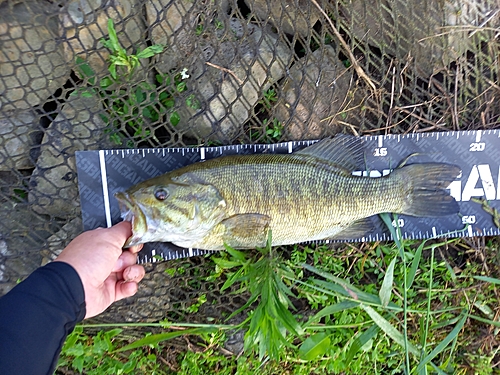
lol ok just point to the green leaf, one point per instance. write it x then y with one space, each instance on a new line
112 70
175 118
390 330
314 347
113 38
360 341
114 332
105 82
181 86
487 279
78 364
414 266
386 288
119 60
85 70
87 93
332 309
233 278
169 102
226 264
150 52
443 344
116 139
140 95
238 255
155 339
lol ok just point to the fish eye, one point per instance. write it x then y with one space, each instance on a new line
161 194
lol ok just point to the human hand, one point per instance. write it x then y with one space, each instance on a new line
107 272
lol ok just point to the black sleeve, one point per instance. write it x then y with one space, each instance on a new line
35 318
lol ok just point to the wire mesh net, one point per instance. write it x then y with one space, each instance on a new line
93 74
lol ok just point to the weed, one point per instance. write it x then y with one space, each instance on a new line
271 319
271 132
270 97
94 355
219 25
119 56
274 129
131 110
199 29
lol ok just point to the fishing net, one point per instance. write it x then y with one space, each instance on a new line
94 74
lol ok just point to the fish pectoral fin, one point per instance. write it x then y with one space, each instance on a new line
356 230
245 228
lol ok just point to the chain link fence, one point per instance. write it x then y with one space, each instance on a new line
203 72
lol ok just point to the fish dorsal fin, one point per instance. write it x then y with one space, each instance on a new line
343 150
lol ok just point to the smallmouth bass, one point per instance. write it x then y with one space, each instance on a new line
305 196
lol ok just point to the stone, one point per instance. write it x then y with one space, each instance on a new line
312 95
20 133
244 61
22 236
59 240
53 184
173 23
32 62
84 23
289 16
418 30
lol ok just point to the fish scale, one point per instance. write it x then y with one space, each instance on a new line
298 194
102 173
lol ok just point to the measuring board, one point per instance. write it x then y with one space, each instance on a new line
102 173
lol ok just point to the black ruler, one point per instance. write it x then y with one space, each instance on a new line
102 173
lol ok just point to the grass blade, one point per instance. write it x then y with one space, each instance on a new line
395 232
414 266
443 344
386 288
360 341
155 339
349 290
487 279
390 330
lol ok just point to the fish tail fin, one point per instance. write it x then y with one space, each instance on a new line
428 195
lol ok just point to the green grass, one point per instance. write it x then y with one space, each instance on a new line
379 308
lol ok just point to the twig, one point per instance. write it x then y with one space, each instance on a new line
225 70
390 112
344 44
457 29
485 22
454 114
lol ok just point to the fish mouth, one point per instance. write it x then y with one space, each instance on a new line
132 213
